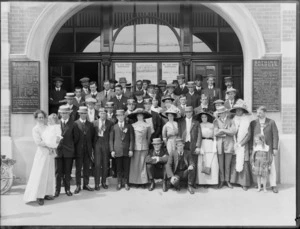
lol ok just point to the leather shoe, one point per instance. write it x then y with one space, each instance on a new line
221 185
40 201
127 187
47 197
77 190
244 188
229 185
165 188
274 189
97 187
119 186
69 193
56 193
152 185
104 185
86 187
191 189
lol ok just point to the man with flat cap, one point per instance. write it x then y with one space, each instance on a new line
56 96
181 167
181 89
102 128
92 112
83 149
119 100
156 161
211 92
85 82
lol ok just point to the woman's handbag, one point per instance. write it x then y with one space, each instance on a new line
205 169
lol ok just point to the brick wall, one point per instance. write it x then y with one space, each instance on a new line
21 18
267 16
289 72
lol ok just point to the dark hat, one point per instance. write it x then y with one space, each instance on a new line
128 85
162 83
113 81
167 97
210 116
58 79
138 93
175 81
122 80
147 81
180 76
137 111
228 78
199 77
138 81
151 85
84 79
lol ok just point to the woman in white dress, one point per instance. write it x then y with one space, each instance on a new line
41 183
208 152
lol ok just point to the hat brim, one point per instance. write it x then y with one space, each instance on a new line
165 114
60 111
168 99
233 110
220 112
210 117
134 115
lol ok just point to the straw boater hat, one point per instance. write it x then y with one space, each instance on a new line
221 109
156 141
69 95
58 79
170 85
91 100
109 105
209 115
171 110
84 79
210 76
137 111
179 141
228 78
122 80
230 90
101 110
167 97
180 76
82 109
120 112
64 108
191 84
218 101
240 105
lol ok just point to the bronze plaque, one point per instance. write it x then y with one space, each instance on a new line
25 86
266 84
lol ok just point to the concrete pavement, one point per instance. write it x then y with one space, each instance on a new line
140 207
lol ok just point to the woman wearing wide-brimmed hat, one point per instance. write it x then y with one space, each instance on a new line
208 155
240 165
142 132
170 129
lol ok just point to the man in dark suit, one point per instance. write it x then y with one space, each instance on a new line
190 131
78 100
181 166
123 82
83 149
56 96
229 85
211 92
85 82
65 151
192 98
156 161
139 99
155 121
181 89
112 82
163 88
267 127
139 86
145 86
102 128
70 100
110 115
120 101
198 82
121 143
92 112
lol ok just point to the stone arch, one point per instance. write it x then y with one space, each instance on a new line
56 14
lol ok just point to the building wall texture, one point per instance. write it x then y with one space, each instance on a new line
276 21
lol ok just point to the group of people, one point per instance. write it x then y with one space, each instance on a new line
183 134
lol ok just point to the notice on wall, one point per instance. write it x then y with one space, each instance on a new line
123 70
170 71
146 71
267 84
25 86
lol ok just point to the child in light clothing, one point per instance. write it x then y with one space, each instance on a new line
262 160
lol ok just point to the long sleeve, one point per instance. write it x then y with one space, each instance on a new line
164 132
148 135
131 131
275 135
37 137
199 139
169 166
165 157
231 130
111 139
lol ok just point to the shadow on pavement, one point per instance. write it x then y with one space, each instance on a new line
24 215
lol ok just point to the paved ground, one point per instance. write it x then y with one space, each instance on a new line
141 207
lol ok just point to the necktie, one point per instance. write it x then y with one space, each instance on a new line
105 94
94 95
63 125
121 125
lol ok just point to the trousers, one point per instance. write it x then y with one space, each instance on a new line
224 160
63 170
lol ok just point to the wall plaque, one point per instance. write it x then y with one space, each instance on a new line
267 84
25 86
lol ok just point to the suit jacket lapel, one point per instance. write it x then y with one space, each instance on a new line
267 122
175 160
192 125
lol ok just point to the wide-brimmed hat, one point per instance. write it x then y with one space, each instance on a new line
122 80
58 79
109 105
137 111
221 109
156 141
120 112
171 110
190 84
91 100
162 83
167 97
138 93
64 108
210 116
240 105
84 79
82 109
180 76
230 90
69 95
219 101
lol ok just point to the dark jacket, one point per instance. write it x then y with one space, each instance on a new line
157 125
172 163
120 105
193 100
54 98
89 137
106 134
163 156
179 91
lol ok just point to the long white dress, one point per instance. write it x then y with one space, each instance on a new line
42 177
210 157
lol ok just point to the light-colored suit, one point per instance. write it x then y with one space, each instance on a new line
104 99
90 96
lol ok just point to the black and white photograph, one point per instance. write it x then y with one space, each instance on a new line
150 113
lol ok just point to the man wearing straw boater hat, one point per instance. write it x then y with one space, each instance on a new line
83 149
211 92
224 130
110 108
181 89
192 98
65 150
70 100
102 128
121 144
156 161
85 83
92 112
181 167
189 130
232 100
56 97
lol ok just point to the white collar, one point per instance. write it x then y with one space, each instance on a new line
262 120
57 88
65 121
191 93
119 96
83 121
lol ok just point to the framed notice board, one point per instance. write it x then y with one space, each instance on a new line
266 84
25 86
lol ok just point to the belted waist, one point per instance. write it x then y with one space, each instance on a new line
172 137
208 138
